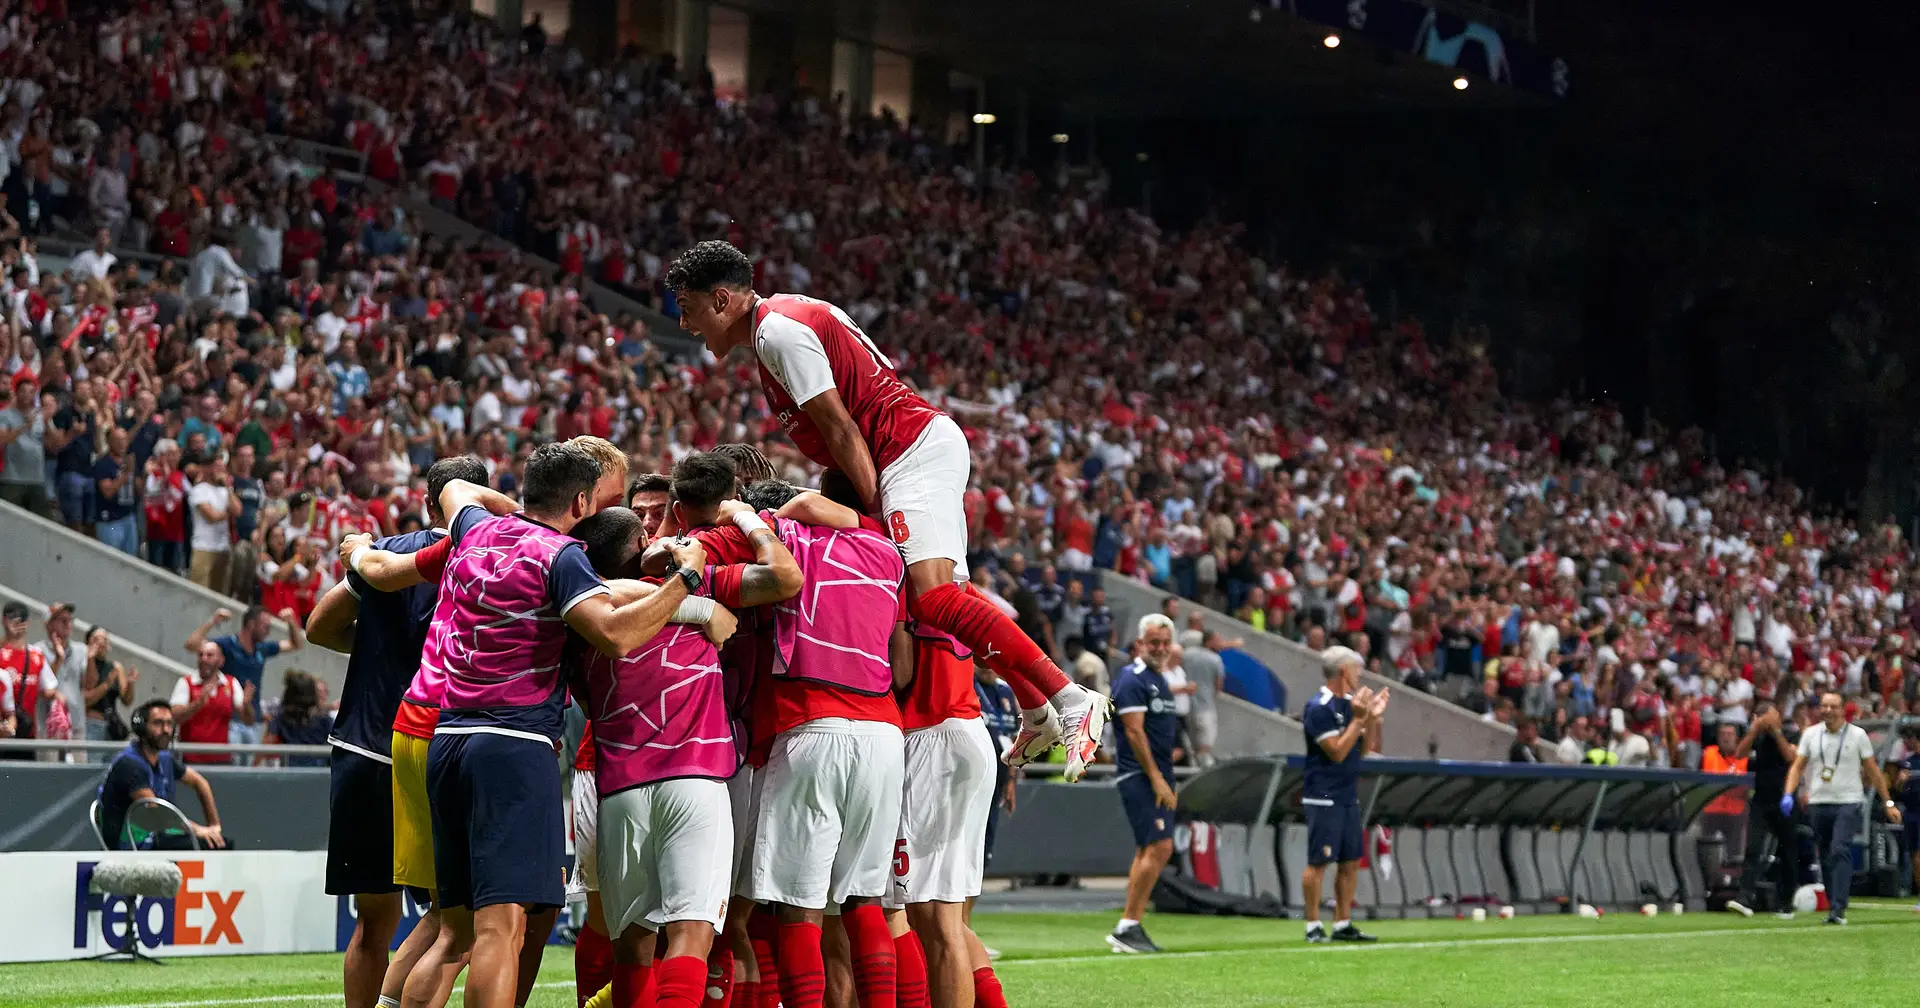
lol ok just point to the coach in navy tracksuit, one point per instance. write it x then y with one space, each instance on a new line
1143 772
1336 722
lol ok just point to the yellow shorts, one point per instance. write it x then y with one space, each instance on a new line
412 819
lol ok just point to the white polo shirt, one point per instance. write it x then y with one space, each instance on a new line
1841 752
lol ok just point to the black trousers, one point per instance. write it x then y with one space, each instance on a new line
1769 833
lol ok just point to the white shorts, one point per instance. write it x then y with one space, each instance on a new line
829 801
665 851
745 799
940 855
920 496
1204 724
586 823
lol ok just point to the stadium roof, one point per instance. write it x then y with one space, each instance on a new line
1134 58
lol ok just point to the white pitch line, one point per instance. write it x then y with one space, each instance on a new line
278 998
1387 946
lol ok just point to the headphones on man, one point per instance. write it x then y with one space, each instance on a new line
138 724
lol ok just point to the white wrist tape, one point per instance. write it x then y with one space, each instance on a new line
353 561
694 609
749 523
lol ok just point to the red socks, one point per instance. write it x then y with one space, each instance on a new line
764 931
680 982
803 973
986 989
719 992
632 985
592 963
912 965
874 967
996 640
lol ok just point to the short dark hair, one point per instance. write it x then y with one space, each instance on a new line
608 533
649 483
702 480
555 474
749 466
837 487
253 612
142 713
710 264
768 495
445 471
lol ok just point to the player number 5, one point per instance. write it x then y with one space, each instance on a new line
900 859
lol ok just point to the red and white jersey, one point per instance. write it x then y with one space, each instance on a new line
942 684
806 347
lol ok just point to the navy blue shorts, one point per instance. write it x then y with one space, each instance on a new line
360 826
497 830
1151 823
1333 834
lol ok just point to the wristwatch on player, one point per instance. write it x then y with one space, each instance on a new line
688 576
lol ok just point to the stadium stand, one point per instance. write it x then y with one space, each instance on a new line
1163 406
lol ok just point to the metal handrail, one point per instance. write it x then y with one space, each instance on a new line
1095 771
100 745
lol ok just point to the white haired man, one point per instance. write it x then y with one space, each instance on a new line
1143 771
1336 722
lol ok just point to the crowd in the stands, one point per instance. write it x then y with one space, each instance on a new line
1162 405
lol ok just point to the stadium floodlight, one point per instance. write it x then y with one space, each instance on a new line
984 118
1060 138
1459 83
1332 41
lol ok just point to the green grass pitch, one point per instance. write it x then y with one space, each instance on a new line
1687 961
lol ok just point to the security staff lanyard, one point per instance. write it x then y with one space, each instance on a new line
1829 763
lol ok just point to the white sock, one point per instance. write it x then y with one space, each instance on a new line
1068 696
1125 923
1314 925
387 1002
1342 925
1037 716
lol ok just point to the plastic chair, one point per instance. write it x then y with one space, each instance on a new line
93 820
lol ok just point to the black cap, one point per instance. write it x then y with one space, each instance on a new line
14 610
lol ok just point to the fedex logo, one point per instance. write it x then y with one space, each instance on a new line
194 917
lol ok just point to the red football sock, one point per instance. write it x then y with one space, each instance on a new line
995 639
719 993
679 982
748 991
592 963
632 985
911 961
764 933
986 989
875 972
803 973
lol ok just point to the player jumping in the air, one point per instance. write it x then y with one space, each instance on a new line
844 406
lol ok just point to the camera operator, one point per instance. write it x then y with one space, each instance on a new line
147 768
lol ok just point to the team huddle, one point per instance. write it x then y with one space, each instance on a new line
778 688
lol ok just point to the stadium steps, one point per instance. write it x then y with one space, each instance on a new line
1418 725
140 604
158 673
